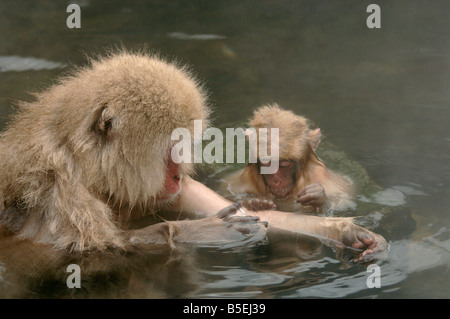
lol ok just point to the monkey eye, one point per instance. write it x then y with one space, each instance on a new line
264 164
286 163
281 163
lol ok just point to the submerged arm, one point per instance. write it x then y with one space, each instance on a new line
199 199
218 227
340 232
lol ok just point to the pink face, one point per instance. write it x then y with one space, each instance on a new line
282 182
172 185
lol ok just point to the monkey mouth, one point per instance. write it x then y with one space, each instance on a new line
171 188
172 183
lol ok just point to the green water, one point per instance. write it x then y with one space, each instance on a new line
380 96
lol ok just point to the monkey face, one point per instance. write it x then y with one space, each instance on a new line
131 105
295 136
283 181
172 182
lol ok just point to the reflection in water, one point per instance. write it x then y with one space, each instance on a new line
405 258
389 197
202 37
237 278
17 63
36 271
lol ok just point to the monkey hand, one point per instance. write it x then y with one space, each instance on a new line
225 229
257 204
360 240
312 195
221 230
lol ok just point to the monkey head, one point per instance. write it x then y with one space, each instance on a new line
296 147
114 120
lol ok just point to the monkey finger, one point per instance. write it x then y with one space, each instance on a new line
368 241
267 204
373 245
304 200
251 204
242 219
229 210
366 255
252 218
367 252
311 200
301 192
314 203
362 258
379 245
358 245
248 230
316 190
259 204
243 230
271 205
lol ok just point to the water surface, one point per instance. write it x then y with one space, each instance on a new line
380 96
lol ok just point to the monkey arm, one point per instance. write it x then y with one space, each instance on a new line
324 227
198 199
215 221
90 219
194 198
342 232
339 232
220 229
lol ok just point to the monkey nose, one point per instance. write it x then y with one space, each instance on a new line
177 177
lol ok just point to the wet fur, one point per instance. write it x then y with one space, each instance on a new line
92 143
298 142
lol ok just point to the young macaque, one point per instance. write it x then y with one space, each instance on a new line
301 176
85 164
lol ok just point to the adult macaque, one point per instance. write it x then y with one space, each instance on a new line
301 176
93 153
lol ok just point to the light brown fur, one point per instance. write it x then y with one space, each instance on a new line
96 140
93 150
297 142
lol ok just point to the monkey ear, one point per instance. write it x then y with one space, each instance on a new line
104 124
314 137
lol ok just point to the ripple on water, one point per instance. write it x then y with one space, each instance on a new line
18 64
